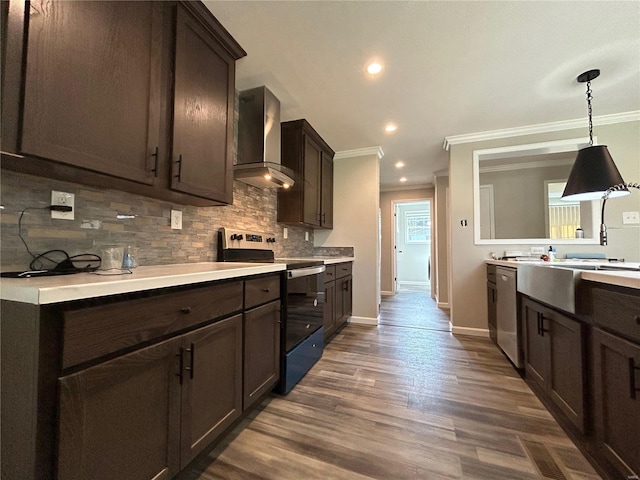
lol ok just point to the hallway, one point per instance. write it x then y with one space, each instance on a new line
413 308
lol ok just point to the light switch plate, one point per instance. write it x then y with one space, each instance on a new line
630 218
306 236
285 232
176 220
66 199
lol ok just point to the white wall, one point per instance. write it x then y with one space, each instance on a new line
356 193
468 271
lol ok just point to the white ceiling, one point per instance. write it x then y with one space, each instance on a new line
450 68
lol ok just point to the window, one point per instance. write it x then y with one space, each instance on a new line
418 226
563 217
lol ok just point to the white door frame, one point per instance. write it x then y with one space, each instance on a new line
394 250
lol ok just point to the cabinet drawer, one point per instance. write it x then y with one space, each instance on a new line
343 269
617 312
330 273
96 331
261 290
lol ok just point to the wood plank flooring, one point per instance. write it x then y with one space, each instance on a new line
403 400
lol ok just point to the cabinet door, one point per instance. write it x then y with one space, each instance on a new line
203 106
326 193
261 351
212 384
536 343
311 178
566 367
120 419
617 400
492 311
92 86
347 298
329 318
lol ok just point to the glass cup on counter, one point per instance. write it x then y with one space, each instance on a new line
130 257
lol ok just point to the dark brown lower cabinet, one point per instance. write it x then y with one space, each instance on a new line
261 351
616 382
211 384
329 315
344 297
121 419
146 414
555 358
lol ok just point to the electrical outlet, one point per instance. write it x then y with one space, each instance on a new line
306 236
65 199
537 250
630 217
176 220
285 232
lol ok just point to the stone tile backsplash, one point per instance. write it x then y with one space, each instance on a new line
149 231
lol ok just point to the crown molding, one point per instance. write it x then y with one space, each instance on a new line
360 152
623 117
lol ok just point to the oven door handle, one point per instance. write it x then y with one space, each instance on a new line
304 272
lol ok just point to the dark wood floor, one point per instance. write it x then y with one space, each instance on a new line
404 400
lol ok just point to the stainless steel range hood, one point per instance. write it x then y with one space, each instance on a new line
258 162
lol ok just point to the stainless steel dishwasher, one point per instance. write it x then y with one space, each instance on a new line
507 315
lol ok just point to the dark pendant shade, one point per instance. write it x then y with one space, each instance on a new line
592 174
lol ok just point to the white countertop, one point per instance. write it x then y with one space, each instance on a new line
47 290
622 278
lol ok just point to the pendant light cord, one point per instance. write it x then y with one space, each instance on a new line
590 111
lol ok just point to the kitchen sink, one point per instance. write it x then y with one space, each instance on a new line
554 285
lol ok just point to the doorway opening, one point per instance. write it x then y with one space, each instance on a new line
412 246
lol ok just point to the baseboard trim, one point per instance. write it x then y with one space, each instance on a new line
416 284
386 293
474 332
444 305
363 320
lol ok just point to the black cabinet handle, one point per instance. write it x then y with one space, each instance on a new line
155 163
638 319
265 290
181 367
346 286
324 215
633 389
539 322
186 310
179 162
191 366
542 329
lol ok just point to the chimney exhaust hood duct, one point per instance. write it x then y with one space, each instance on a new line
258 162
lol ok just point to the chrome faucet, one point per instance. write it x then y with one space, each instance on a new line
620 186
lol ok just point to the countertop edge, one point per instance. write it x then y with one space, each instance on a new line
86 285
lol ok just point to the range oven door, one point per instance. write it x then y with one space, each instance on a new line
304 305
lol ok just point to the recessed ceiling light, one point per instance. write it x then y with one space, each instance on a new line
374 68
399 164
390 128
403 179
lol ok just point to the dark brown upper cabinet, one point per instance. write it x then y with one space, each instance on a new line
204 93
310 201
134 96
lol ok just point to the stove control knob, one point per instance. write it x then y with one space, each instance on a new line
236 236
271 240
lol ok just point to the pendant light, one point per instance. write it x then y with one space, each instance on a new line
594 171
